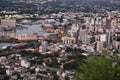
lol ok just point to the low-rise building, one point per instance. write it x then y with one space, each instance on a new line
27 37
52 36
68 40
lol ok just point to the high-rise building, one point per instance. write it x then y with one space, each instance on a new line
100 46
103 38
109 38
108 24
84 37
116 44
43 47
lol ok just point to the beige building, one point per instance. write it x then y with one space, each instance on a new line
10 34
27 37
51 36
8 23
100 46
116 44
74 27
68 40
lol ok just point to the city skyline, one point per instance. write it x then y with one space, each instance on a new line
59 40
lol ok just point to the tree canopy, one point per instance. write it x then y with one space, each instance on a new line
98 68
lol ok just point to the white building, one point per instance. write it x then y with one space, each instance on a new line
3 59
8 72
27 37
43 47
25 63
103 37
8 23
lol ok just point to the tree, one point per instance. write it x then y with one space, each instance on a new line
6 78
77 60
56 77
32 71
54 63
116 75
61 19
96 68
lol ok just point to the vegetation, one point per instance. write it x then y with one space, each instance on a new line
74 50
76 60
57 6
99 68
